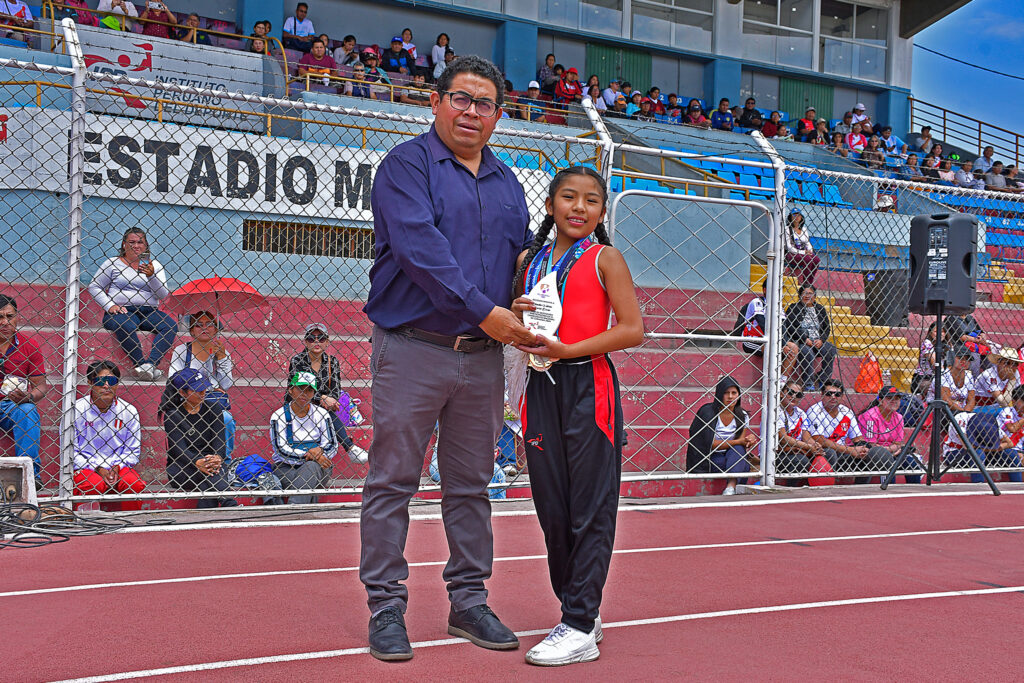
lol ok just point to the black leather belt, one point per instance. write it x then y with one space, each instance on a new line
462 342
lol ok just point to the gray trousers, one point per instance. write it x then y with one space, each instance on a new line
416 384
308 475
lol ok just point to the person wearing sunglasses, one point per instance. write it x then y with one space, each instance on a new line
796 445
327 392
882 425
357 86
107 438
835 427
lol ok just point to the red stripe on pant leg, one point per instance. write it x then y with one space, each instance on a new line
604 397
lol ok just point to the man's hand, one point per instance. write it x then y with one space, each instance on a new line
817 343
502 325
209 464
522 304
546 347
809 342
314 453
117 310
859 451
108 474
19 396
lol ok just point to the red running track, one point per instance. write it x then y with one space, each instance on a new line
773 564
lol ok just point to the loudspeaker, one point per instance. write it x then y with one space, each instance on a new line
943 263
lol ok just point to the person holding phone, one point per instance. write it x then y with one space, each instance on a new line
157 11
130 287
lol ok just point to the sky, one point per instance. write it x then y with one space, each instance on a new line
988 33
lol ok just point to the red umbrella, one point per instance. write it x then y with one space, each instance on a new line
218 295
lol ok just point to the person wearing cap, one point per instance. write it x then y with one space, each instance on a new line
611 92
375 74
721 118
569 88
993 386
991 435
298 32
633 103
195 437
397 59
892 143
618 109
859 116
304 440
819 134
882 425
645 112
531 107
449 221
747 115
800 254
807 124
327 370
846 125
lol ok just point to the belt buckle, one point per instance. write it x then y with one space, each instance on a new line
458 341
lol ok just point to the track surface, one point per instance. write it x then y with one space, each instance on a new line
856 589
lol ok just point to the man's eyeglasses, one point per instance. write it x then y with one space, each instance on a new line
463 101
833 394
105 381
313 338
796 394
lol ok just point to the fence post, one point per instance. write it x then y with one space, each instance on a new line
607 145
72 296
773 307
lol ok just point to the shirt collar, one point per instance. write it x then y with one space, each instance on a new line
440 151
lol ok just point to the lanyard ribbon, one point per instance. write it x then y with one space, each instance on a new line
543 263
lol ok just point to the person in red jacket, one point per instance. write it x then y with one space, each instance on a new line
569 88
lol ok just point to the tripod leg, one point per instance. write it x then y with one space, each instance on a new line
907 446
971 452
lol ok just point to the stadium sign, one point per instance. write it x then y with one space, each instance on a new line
176 62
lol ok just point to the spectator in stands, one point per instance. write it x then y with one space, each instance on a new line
796 446
358 86
755 122
983 164
751 323
807 325
835 427
418 92
258 45
964 177
298 31
130 287
22 384
925 360
846 125
800 254
1013 181
191 33
694 115
80 13
304 439
634 103
807 123
17 15
108 438
657 106
992 436
531 107
156 11
912 171
891 143
720 435
124 8
208 353
646 112
375 74
859 116
994 179
819 135
965 330
747 115
594 93
993 386
882 425
618 110
873 157
722 119
925 141
317 63
546 75
856 141
946 172
407 43
346 54
569 88
958 383
931 162
771 127
611 92
259 30
195 437
673 109
327 392
397 60
440 46
627 89
838 146
783 134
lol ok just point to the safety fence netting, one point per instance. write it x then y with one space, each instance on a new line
858 364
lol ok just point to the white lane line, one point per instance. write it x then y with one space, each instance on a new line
623 507
512 558
328 654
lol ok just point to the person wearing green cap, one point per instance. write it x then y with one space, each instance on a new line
304 440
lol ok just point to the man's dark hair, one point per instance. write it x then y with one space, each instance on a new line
805 287
348 38
95 368
724 99
6 301
996 163
626 84
834 383
302 4
478 66
550 54
751 99
317 40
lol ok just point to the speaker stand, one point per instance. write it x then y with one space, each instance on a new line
940 412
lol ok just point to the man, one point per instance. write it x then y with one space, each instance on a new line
22 384
611 92
397 60
806 124
835 428
298 31
797 447
569 88
645 112
846 125
191 32
317 62
358 86
983 164
964 177
531 107
627 90
748 113
807 325
862 118
449 221
925 140
721 118
418 92
892 143
994 179
618 110
751 323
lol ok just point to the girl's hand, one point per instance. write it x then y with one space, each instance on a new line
547 347
522 304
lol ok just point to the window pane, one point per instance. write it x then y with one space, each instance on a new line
489 5
560 12
836 19
797 14
602 16
652 24
872 25
758 43
869 63
794 49
702 5
693 31
836 57
761 10
524 9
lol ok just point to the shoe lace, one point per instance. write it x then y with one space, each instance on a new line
557 633
388 617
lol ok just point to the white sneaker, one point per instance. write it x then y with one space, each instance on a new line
510 471
358 455
564 645
729 491
156 373
598 632
144 372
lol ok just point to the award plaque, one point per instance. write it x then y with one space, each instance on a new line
547 316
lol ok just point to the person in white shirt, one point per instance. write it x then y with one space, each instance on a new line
993 386
983 164
611 92
437 52
834 426
993 438
17 14
964 177
298 32
957 383
407 43
859 116
304 439
108 438
797 447
130 287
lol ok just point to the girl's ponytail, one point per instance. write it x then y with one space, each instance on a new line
538 242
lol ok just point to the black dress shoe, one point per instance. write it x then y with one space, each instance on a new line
388 638
480 626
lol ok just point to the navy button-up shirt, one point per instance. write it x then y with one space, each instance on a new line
446 240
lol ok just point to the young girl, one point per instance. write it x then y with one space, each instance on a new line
571 414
